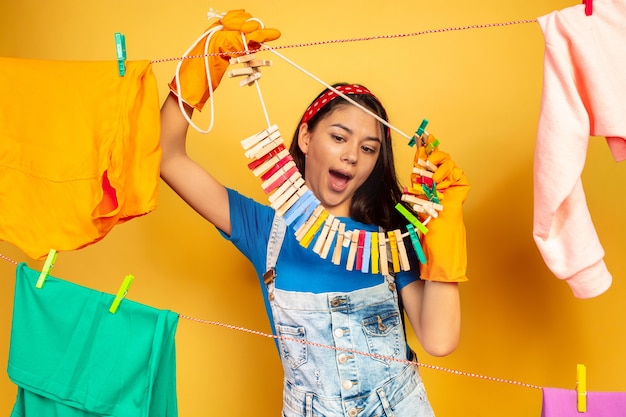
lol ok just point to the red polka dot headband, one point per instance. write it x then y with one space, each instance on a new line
329 95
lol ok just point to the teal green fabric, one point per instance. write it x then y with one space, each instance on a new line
71 357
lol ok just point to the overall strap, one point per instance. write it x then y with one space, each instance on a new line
275 242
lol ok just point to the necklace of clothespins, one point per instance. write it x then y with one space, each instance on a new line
294 201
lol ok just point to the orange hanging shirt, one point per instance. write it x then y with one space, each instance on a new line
79 151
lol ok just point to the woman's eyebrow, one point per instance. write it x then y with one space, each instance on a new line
347 129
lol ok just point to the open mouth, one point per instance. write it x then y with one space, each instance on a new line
339 180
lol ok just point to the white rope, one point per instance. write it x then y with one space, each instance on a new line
330 87
209 33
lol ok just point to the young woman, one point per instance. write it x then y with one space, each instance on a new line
340 332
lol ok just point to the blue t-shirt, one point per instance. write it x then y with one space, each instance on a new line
299 268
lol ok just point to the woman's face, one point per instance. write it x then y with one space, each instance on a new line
340 155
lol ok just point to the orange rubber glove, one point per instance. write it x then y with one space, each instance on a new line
444 245
192 75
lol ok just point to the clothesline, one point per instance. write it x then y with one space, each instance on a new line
306 342
361 39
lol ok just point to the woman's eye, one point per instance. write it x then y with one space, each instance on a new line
338 138
368 149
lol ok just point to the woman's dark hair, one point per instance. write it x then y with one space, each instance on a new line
374 202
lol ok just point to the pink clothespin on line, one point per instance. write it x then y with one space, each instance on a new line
588 7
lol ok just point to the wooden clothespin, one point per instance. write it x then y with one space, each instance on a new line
321 239
332 232
121 293
404 258
47 267
287 190
336 259
120 48
250 68
305 199
581 388
588 7
354 245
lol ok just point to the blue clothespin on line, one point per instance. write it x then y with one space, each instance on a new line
120 48
419 132
47 267
121 293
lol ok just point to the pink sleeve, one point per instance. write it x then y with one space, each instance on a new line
562 225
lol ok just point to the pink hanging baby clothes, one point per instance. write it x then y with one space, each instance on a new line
559 402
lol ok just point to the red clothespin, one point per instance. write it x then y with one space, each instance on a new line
588 7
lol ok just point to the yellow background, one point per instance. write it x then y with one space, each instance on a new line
480 89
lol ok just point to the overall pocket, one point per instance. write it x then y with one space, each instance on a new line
383 332
291 348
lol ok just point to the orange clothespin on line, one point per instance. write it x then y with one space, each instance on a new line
588 7
581 388
47 267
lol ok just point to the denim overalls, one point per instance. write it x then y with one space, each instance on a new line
324 382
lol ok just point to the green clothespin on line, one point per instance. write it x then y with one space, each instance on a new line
120 48
419 132
121 293
47 267
411 218
416 243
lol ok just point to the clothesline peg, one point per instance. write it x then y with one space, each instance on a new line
581 388
419 132
417 246
411 218
242 59
250 79
588 7
393 245
120 48
47 267
121 293
250 141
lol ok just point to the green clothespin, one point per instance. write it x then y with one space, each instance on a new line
120 48
416 243
121 293
47 267
411 218
431 146
419 132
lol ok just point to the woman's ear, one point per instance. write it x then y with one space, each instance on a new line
304 136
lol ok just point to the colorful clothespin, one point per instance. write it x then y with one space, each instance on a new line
121 293
120 47
581 388
588 7
411 218
418 133
47 267
393 245
416 244
374 253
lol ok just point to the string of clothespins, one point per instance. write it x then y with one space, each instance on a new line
290 197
